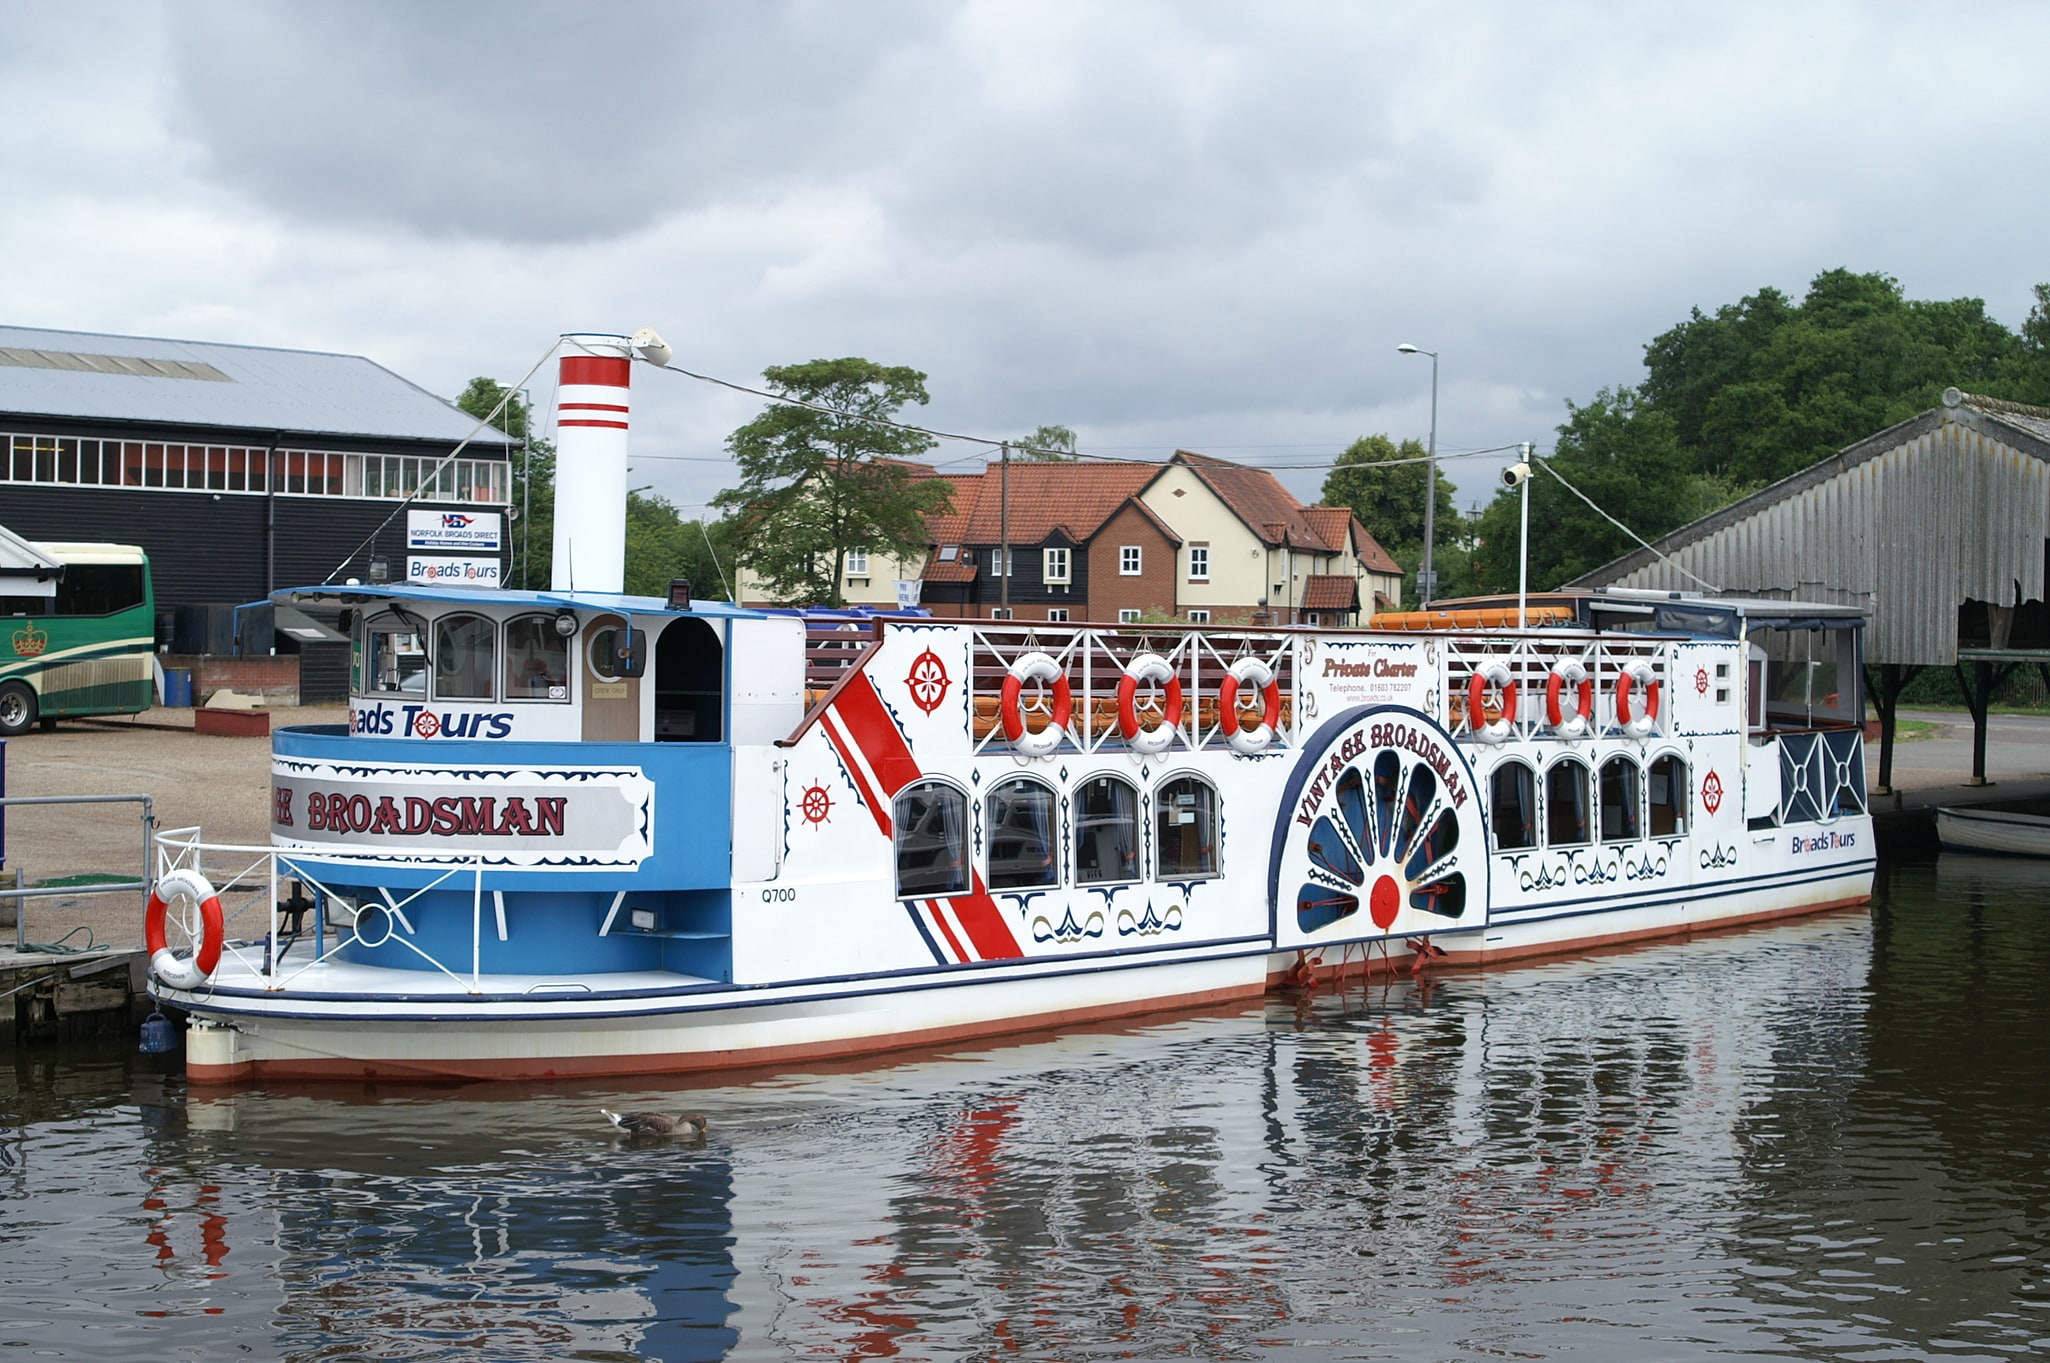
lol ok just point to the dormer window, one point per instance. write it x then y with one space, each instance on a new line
949 552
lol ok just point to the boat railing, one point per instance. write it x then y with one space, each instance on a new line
1822 774
1528 662
247 882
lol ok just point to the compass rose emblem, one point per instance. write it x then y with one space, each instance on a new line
815 804
426 724
1712 792
928 681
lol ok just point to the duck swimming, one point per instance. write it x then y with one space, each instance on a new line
683 1126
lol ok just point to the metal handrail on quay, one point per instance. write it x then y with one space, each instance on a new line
20 892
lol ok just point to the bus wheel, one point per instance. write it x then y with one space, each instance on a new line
17 708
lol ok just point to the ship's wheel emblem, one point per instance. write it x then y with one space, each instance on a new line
1384 834
426 724
928 681
1701 681
1711 792
815 804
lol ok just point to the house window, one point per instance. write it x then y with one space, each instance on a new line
1128 616
949 552
1054 564
999 612
1058 614
1199 617
1129 560
998 565
857 563
1199 563
1311 618
931 830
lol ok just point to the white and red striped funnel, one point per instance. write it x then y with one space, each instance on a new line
592 411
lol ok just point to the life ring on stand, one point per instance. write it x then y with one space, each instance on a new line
1254 673
1154 668
188 888
1637 674
1038 667
1580 722
1492 673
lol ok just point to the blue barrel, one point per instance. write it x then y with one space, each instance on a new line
178 687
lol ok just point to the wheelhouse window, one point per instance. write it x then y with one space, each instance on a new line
1669 789
1512 806
391 660
1620 822
1021 835
1106 831
536 659
1186 824
1566 823
464 649
931 822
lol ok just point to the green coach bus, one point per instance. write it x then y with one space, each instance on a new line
89 650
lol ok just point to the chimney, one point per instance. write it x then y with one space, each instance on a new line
590 464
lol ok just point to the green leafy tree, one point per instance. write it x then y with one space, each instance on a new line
1388 498
661 546
820 479
532 532
1046 443
2027 378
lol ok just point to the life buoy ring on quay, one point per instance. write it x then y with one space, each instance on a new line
1494 673
189 890
1635 675
1254 673
1154 668
1580 723
1038 667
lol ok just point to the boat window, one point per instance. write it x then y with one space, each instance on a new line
931 820
1513 806
393 660
1620 819
536 659
463 648
1669 788
1106 831
1021 841
1566 804
690 681
1187 825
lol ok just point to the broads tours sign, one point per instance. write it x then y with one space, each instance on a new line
525 817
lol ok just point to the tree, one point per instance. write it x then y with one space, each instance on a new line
2027 378
531 526
828 476
661 546
1389 500
1047 443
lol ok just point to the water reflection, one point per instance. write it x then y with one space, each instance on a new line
1818 1140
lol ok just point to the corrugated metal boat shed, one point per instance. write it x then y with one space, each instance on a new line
1949 506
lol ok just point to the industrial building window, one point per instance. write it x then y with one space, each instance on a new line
86 462
1021 835
1106 831
536 659
1187 829
931 823
463 661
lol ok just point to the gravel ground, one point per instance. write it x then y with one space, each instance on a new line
220 784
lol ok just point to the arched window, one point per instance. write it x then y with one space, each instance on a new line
931 820
1186 822
1021 837
1106 831
1669 791
394 658
1566 823
536 659
463 663
1512 791
1620 821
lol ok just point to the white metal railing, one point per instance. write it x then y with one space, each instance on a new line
1530 661
240 873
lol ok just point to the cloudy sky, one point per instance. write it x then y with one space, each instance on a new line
1204 225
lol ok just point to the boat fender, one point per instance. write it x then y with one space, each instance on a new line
1580 723
1144 668
1637 675
1493 673
1038 667
1254 673
188 889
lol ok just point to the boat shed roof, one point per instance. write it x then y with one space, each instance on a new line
89 376
1949 506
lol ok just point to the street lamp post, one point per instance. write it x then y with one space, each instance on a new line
1427 581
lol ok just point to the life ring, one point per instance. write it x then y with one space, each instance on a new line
1249 672
1580 722
1154 668
1492 673
1637 673
184 886
1038 667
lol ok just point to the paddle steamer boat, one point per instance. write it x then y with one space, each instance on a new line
577 832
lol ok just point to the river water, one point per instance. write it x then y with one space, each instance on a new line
1824 1139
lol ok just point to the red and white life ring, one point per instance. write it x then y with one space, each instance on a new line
1579 722
199 910
1258 675
1039 667
1637 675
1493 673
1149 667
